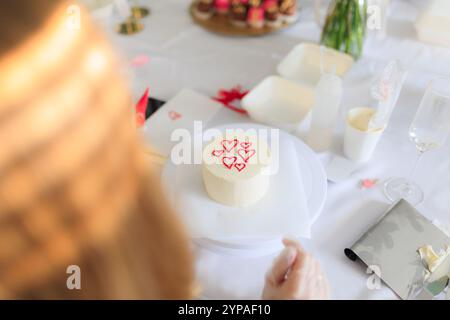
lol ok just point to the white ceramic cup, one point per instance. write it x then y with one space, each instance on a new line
359 141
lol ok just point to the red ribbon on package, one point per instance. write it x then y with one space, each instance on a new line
141 109
227 97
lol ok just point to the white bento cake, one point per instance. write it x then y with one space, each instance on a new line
236 169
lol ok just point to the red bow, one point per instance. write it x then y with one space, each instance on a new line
227 97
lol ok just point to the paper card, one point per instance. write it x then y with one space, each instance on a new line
178 113
391 245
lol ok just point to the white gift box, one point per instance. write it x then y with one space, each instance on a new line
285 101
303 63
279 103
433 26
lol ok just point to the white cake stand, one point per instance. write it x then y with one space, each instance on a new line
315 186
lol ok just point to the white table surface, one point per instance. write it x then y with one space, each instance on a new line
183 55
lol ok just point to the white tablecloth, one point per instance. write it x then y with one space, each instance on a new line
183 55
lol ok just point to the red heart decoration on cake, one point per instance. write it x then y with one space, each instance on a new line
229 162
240 166
218 153
246 145
246 154
229 145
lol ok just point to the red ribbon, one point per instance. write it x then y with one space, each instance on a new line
227 97
141 109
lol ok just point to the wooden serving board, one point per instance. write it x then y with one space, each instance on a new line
220 24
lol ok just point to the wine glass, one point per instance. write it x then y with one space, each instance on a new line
429 130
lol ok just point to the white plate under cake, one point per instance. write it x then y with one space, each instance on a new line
292 203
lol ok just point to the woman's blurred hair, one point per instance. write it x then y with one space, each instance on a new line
74 187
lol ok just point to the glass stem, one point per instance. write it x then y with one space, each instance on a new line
413 170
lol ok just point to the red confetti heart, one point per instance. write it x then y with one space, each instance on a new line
218 153
246 154
240 166
229 145
140 61
229 162
368 183
174 115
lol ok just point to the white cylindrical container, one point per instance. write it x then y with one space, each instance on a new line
324 114
359 141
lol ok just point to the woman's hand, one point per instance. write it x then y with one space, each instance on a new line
295 275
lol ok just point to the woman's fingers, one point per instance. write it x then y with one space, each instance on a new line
290 242
283 263
306 280
300 271
295 274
